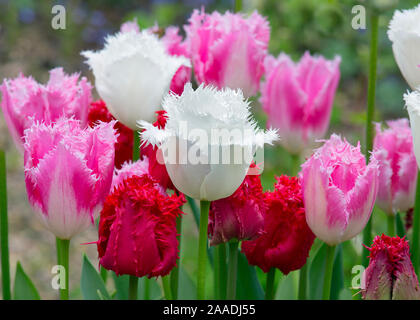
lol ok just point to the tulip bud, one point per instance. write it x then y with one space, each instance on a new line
132 73
298 98
228 50
68 173
137 227
390 274
404 33
240 216
286 239
339 190
393 148
124 147
209 136
25 101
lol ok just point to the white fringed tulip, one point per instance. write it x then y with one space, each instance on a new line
404 32
412 101
132 74
210 138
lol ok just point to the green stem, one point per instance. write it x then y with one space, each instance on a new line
415 242
133 287
133 280
195 210
220 271
328 272
136 146
374 21
202 249
269 287
175 270
63 247
232 270
4 229
238 5
146 289
391 225
167 287
303 279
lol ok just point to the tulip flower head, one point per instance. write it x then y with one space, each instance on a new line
412 101
137 228
393 148
228 50
390 274
124 147
339 190
298 98
25 101
210 137
240 216
175 46
286 239
132 73
68 173
404 33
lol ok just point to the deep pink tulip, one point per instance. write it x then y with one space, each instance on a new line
228 50
393 148
68 173
25 101
339 190
137 228
390 274
298 98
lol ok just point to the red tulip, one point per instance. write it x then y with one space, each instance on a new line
137 229
287 239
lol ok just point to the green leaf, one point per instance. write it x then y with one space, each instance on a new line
121 285
400 225
287 289
187 289
248 287
24 288
155 291
92 285
337 284
316 273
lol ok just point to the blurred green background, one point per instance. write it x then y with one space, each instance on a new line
28 44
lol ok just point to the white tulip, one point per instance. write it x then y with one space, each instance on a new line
132 74
210 138
404 32
412 101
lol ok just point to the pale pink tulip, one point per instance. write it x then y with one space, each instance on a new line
298 98
339 190
228 50
25 101
393 148
68 173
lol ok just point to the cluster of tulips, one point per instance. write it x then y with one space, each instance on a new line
102 162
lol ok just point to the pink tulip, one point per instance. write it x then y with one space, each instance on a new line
298 98
25 101
339 190
68 173
393 148
228 50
